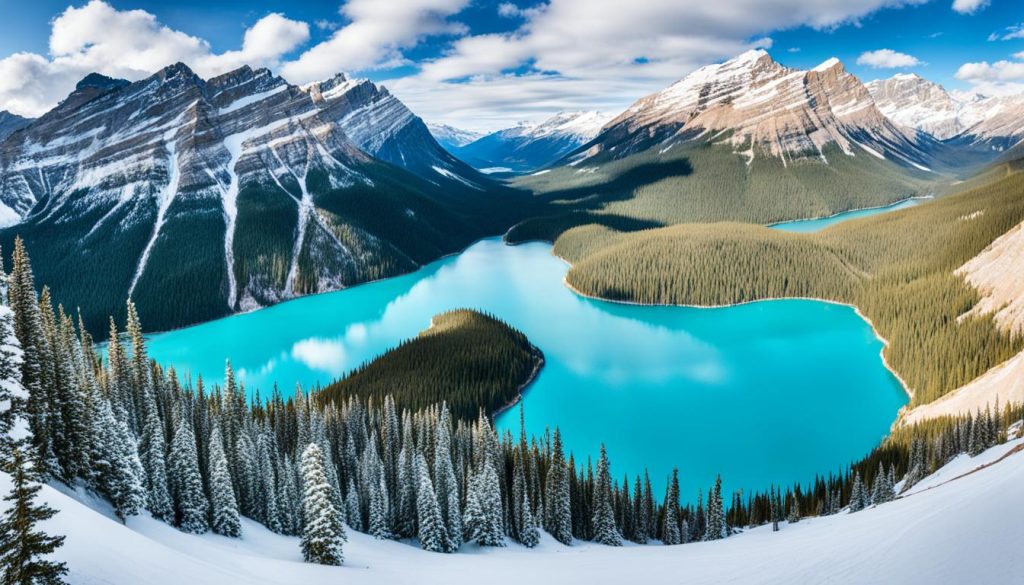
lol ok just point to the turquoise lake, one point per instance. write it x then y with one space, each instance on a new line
813 225
762 393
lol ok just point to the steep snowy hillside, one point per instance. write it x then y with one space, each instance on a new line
961 525
452 138
529 146
251 189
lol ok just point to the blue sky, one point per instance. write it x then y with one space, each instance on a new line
483 64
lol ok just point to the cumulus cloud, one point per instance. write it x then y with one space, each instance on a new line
375 36
999 78
131 44
887 59
595 45
969 6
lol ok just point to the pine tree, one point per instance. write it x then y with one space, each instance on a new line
558 511
605 531
794 509
858 495
484 515
23 548
446 484
670 525
322 533
191 505
716 513
432 533
226 520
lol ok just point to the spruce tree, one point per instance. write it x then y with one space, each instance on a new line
23 549
605 531
226 520
432 534
322 532
191 505
716 513
558 511
670 525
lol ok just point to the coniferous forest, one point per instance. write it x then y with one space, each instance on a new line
200 458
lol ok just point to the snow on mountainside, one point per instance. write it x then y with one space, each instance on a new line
232 181
959 525
996 123
915 102
530 146
1000 123
452 138
762 108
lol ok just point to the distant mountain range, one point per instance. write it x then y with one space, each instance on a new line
530 146
202 197
452 138
967 119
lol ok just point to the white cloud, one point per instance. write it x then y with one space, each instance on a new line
131 44
793 50
887 59
998 71
1010 33
375 36
617 50
1019 55
969 6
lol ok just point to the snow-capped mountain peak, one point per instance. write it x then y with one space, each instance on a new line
761 107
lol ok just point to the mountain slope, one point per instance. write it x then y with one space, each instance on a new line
528 147
959 525
746 140
452 138
915 102
202 197
9 123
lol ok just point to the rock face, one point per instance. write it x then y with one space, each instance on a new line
527 147
762 108
10 122
201 197
915 102
1000 123
965 119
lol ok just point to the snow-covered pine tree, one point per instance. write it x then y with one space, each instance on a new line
224 507
432 533
558 512
794 509
445 482
353 509
322 532
153 454
670 525
605 531
716 513
528 534
190 503
858 495
23 549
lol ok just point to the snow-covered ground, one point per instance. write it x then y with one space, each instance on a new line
962 525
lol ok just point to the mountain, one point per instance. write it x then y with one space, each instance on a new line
999 126
761 108
915 102
10 122
452 138
202 197
966 119
528 147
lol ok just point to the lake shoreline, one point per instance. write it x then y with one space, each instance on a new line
538 365
838 213
885 342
